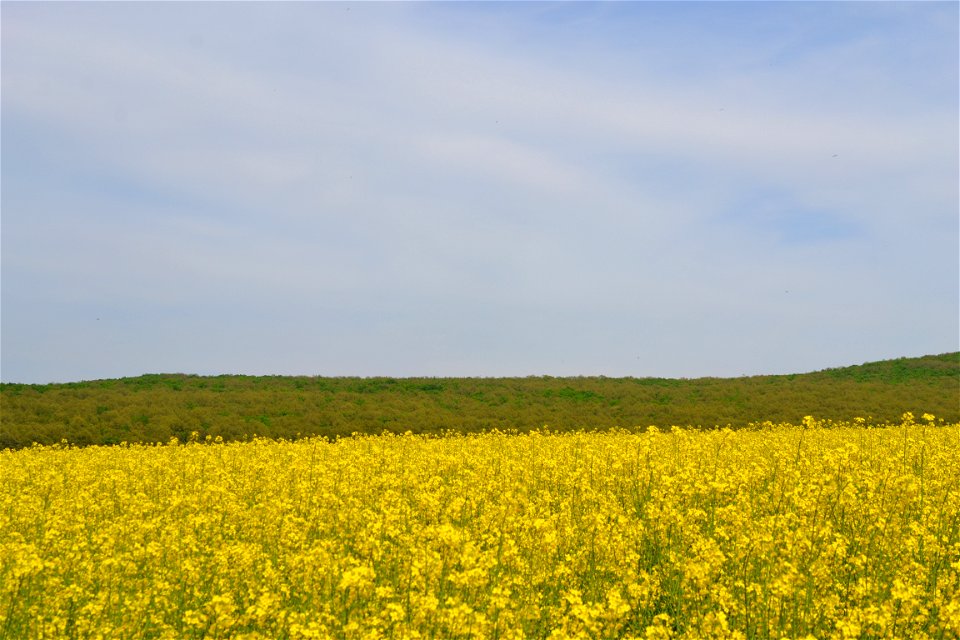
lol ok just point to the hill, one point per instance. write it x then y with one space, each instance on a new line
156 407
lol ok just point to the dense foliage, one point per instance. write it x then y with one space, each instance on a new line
154 408
837 531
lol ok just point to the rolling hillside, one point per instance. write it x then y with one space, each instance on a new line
154 408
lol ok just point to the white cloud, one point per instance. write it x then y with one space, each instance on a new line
299 158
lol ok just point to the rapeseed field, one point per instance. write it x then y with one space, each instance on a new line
817 530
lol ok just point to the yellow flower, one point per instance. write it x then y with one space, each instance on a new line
827 529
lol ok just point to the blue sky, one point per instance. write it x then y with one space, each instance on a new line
623 189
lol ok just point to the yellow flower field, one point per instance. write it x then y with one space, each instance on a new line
817 530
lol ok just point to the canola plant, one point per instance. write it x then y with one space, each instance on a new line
817 530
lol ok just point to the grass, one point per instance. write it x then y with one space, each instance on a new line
156 407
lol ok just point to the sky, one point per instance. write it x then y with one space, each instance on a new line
476 189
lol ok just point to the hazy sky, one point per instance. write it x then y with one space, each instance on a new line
477 189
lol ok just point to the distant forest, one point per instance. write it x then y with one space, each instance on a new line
156 408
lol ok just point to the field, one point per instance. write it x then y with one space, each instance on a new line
154 408
818 529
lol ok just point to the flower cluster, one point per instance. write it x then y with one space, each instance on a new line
819 530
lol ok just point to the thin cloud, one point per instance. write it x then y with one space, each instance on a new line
506 189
